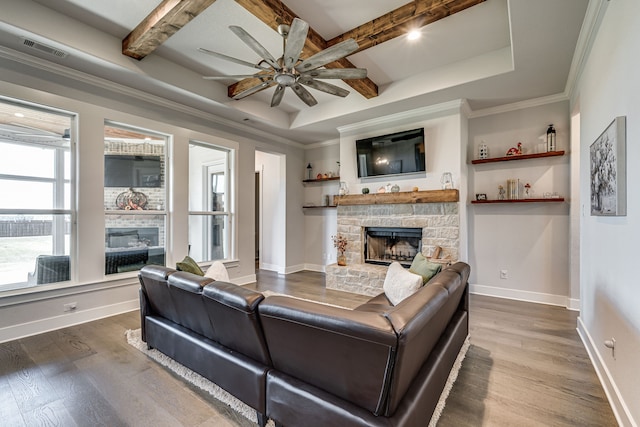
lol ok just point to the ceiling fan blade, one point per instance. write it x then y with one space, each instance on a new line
328 55
295 42
236 76
254 89
277 95
255 46
232 59
325 87
304 94
337 73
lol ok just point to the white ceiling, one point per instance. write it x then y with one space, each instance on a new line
498 52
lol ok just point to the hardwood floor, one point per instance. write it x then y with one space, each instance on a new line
526 367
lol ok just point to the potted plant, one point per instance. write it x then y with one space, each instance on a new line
340 243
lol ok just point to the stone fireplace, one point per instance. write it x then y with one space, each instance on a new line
383 245
434 213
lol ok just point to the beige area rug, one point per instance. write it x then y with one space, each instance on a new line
134 339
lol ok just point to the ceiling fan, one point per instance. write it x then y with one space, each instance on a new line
290 70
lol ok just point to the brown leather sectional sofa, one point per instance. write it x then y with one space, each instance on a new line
308 364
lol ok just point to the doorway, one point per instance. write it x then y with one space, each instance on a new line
270 211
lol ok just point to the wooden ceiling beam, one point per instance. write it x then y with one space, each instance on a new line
274 13
163 22
400 21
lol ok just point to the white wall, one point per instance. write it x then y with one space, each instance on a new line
442 134
530 241
610 297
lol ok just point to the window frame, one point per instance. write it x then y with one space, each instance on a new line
59 182
207 170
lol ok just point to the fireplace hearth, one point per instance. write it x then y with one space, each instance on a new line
384 245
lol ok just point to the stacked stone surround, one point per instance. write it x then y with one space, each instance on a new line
440 223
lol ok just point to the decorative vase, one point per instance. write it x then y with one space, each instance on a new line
342 260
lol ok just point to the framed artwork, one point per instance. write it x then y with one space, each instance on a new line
608 171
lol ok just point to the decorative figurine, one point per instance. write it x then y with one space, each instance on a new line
551 138
501 192
528 192
483 151
514 151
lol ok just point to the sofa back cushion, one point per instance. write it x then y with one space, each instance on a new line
419 321
185 290
153 280
233 313
347 353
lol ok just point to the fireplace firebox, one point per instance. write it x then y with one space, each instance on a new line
384 245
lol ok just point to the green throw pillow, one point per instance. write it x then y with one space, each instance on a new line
190 266
424 267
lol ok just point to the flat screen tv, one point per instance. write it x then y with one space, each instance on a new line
132 171
393 154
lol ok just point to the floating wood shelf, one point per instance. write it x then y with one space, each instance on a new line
518 157
333 178
428 196
319 207
483 202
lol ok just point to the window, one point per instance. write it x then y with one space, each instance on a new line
210 218
134 198
35 195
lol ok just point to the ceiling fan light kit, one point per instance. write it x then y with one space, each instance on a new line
289 70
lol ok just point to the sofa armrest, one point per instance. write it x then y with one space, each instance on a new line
345 352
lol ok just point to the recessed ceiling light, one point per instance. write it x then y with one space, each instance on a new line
18 114
413 35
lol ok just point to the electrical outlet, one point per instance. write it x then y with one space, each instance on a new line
504 274
70 306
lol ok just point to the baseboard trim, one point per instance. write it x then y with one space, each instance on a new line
536 297
294 269
620 409
316 267
49 324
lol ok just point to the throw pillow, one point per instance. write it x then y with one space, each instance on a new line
424 267
217 271
189 265
400 283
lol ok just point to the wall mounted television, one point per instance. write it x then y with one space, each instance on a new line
393 154
132 171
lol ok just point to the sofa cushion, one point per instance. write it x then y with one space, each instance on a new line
217 271
189 265
424 267
400 283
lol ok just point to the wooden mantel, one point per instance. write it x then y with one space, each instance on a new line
429 196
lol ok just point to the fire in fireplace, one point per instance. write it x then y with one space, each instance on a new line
384 245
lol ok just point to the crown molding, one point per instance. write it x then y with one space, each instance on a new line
98 82
529 103
431 111
322 144
590 26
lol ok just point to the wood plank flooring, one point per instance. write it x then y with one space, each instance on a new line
526 367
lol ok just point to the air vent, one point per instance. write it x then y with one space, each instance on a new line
44 48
